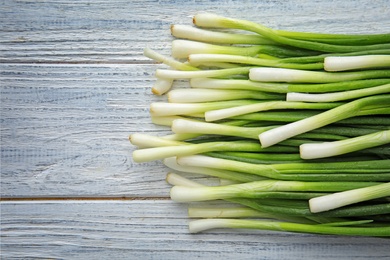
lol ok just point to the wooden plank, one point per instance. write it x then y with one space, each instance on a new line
69 99
117 31
155 230
65 130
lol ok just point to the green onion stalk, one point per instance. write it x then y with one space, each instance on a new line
328 149
205 224
362 105
216 21
371 170
294 127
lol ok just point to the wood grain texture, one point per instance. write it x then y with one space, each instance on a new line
118 30
74 84
66 113
155 230
65 130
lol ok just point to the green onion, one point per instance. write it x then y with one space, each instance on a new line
197 34
184 126
327 149
161 86
205 224
356 62
285 87
223 174
182 48
321 57
338 96
347 110
176 179
190 126
209 95
248 207
256 188
240 212
288 126
214 115
373 170
167 60
239 84
155 153
177 74
340 199
199 59
216 21
359 39
171 109
144 141
304 76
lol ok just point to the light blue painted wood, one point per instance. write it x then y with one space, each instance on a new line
74 85
155 230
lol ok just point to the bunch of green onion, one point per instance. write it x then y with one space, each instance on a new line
294 125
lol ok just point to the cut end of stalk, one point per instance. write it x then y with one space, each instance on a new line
344 63
152 108
133 138
183 194
161 109
149 53
195 96
176 179
214 115
156 92
266 74
169 179
170 162
180 126
265 140
294 96
207 20
162 86
335 63
138 156
163 120
140 140
179 49
199 160
317 150
321 204
197 226
172 28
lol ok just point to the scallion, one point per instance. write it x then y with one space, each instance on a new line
291 128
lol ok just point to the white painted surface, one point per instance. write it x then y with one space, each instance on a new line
74 85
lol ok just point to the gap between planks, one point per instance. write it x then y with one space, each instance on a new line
86 199
81 62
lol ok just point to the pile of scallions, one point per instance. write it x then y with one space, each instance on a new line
294 125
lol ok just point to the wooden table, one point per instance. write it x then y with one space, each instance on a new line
74 85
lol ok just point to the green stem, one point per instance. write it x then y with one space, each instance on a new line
256 189
268 74
372 170
212 20
199 59
218 114
328 149
205 224
347 110
340 199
